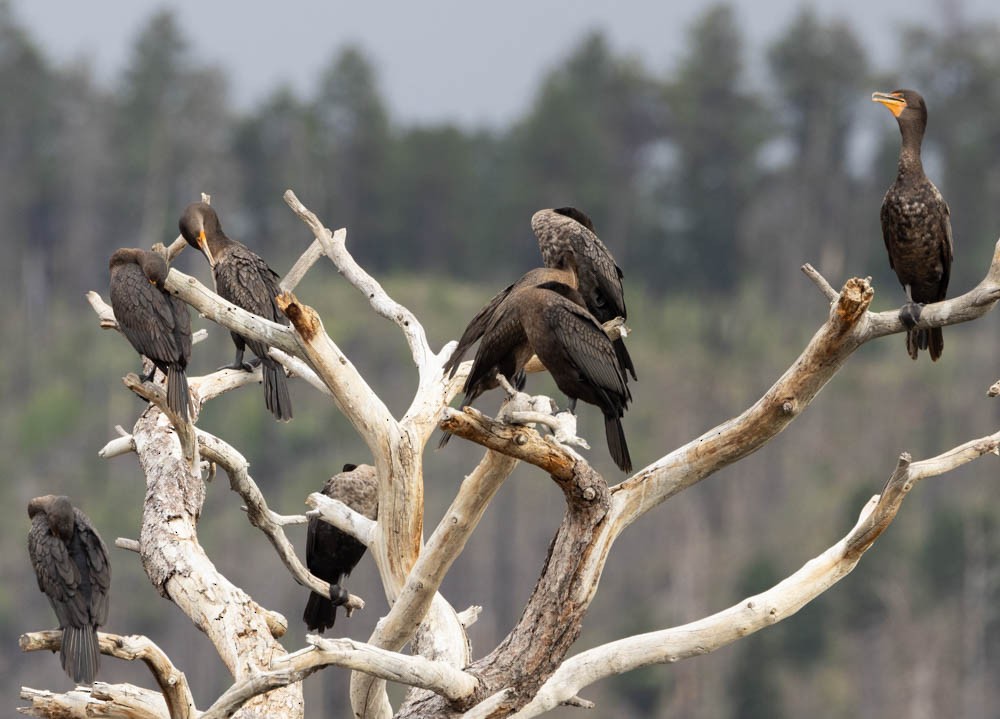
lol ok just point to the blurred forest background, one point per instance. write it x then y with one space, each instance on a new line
710 189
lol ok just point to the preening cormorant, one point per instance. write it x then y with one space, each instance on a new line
71 564
332 554
244 279
567 230
916 224
156 323
550 319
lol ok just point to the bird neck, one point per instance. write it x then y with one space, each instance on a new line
910 163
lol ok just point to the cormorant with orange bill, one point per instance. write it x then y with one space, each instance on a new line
71 564
550 320
243 278
567 230
332 554
156 323
916 224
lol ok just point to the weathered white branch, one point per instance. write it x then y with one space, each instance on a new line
131 545
335 247
115 701
117 447
173 684
343 517
241 630
764 609
415 671
308 258
228 315
260 516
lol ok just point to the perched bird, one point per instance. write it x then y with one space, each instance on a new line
244 279
568 231
332 554
71 563
916 224
156 323
550 320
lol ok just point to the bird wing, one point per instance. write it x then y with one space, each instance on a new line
886 219
497 352
475 329
57 574
244 279
947 250
145 314
100 569
600 277
586 347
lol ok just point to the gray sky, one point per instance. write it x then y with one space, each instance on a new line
474 63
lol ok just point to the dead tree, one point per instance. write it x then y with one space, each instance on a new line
533 669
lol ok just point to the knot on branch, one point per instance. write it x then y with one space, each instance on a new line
303 318
854 301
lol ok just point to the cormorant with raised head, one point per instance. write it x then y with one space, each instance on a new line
243 278
567 230
156 323
71 564
332 554
916 224
550 320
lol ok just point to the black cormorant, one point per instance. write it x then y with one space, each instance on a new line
156 323
567 230
916 224
550 320
332 554
71 563
244 279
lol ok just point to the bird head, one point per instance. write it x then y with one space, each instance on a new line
198 222
905 105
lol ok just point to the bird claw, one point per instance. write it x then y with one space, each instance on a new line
909 314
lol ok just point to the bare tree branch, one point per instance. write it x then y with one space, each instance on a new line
334 246
438 677
762 610
260 516
172 682
115 701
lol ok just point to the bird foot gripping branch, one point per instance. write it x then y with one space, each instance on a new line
529 410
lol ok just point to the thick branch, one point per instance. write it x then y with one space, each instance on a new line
225 313
764 609
513 440
343 517
115 701
172 682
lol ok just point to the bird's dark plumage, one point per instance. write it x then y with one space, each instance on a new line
550 320
332 554
568 231
156 323
916 223
244 279
71 564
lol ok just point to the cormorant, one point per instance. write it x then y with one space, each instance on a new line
71 564
916 224
550 319
244 279
332 554
567 230
156 323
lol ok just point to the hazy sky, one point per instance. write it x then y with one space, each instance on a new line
475 63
